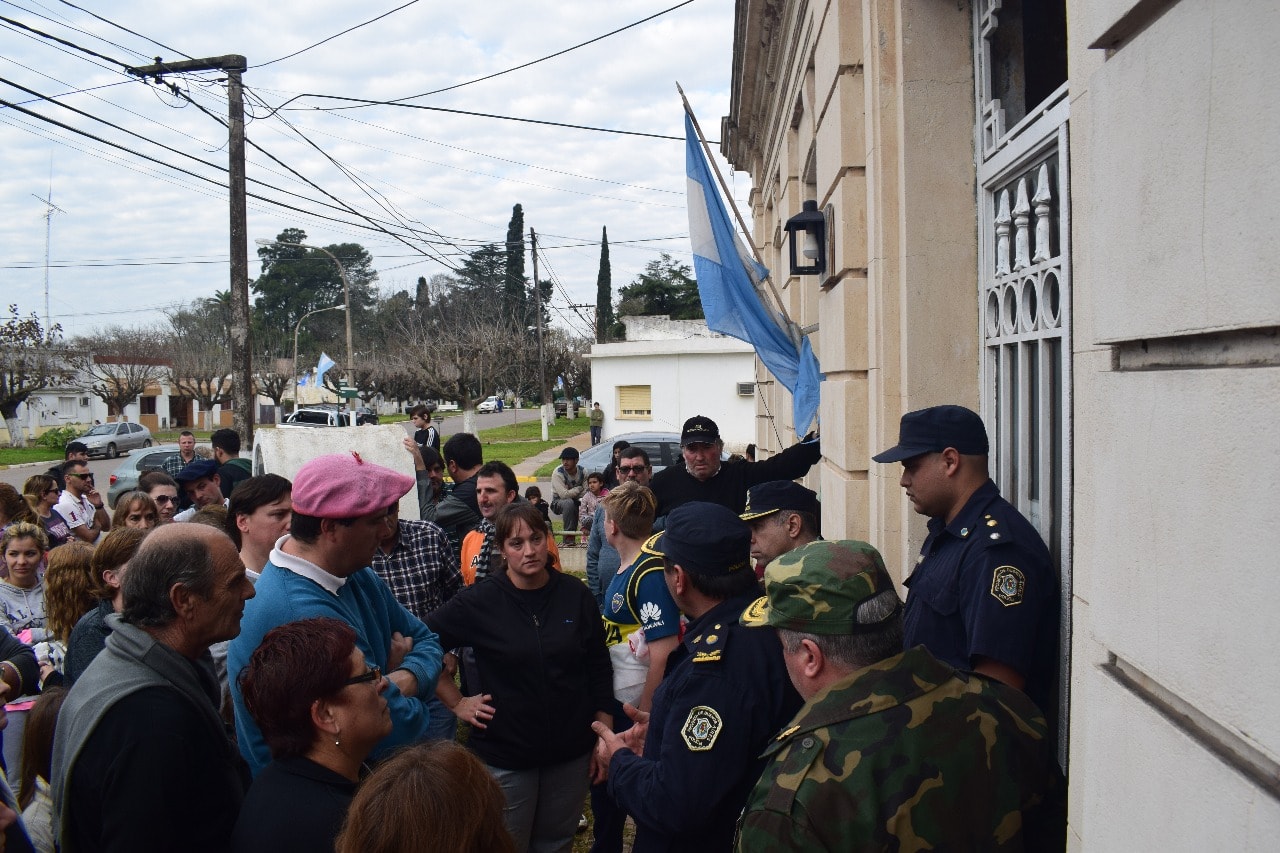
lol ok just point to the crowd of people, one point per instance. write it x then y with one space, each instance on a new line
238 662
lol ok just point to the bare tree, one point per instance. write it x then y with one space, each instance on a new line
121 363
31 360
199 367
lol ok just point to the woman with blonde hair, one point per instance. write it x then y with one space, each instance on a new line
89 635
68 595
435 797
135 509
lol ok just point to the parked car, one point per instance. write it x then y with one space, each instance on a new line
110 439
317 416
366 415
663 449
125 478
490 404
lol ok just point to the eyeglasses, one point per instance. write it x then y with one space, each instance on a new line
161 500
372 675
631 469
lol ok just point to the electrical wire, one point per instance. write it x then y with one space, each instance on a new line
72 27
535 61
42 34
125 29
335 35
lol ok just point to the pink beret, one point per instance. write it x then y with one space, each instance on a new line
342 485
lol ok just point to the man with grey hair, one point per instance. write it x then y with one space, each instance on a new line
892 749
144 716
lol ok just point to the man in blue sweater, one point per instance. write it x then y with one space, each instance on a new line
340 505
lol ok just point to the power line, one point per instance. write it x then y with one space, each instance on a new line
335 35
125 29
61 41
535 61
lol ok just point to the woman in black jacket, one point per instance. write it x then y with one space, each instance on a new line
543 678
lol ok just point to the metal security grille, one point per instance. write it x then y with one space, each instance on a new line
1024 275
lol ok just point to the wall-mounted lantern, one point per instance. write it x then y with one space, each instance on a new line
809 229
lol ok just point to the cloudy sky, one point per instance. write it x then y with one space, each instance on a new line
133 237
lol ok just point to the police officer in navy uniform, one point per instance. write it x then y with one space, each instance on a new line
725 694
983 595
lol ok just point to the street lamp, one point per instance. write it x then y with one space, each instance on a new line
296 329
346 293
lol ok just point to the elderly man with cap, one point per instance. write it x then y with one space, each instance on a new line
893 750
984 594
568 482
783 516
703 478
340 512
725 693
202 485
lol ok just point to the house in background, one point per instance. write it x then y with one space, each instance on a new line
1061 214
667 371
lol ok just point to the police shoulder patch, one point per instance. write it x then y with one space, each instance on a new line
701 728
1008 585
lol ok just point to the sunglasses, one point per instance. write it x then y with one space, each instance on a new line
161 500
372 675
631 469
82 476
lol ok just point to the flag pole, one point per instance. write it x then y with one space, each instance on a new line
746 233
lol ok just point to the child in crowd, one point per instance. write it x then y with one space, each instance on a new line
534 496
595 493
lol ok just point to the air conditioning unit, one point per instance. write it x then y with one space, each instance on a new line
746 389
84 401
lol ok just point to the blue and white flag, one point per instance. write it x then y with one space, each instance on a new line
323 367
729 279
304 381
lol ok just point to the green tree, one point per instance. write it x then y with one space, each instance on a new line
31 360
513 287
296 280
665 287
605 321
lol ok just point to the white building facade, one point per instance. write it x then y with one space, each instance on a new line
670 370
1063 215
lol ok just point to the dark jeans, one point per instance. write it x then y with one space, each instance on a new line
609 818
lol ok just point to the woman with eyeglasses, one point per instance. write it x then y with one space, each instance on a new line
41 492
321 710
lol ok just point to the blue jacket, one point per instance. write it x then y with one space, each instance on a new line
366 604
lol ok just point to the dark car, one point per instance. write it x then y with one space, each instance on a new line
366 415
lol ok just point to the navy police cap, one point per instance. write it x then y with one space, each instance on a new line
935 429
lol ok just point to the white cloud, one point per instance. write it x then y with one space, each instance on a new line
450 173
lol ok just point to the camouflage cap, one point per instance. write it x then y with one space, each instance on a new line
818 588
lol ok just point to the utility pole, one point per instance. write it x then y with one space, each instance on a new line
547 409
242 392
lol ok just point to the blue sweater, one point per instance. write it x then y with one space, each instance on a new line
366 604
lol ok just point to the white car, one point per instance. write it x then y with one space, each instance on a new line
490 404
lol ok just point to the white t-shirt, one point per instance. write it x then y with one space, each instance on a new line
78 512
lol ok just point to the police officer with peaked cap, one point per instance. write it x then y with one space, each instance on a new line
725 693
783 516
983 594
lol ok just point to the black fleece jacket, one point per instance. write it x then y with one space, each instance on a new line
542 656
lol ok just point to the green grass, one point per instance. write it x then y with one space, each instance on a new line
532 431
20 455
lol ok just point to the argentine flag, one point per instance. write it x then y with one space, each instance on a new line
728 284
322 367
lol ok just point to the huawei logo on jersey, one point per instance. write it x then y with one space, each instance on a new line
650 615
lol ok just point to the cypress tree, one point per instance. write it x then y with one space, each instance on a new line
604 292
513 290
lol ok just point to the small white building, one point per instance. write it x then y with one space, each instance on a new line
670 370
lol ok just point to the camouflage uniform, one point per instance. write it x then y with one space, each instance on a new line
904 754
908 754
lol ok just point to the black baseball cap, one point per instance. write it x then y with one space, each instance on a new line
935 429
699 428
704 539
768 498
